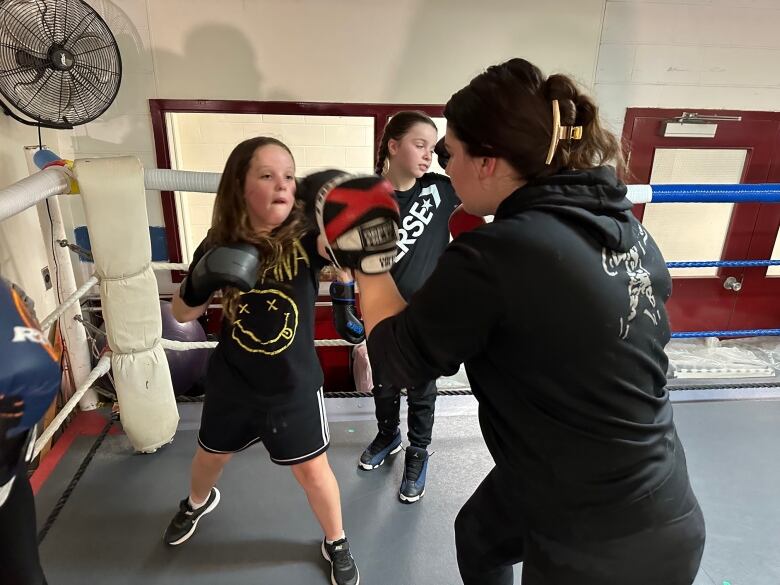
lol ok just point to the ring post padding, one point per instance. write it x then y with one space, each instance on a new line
112 190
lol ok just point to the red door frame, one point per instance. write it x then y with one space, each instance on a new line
703 303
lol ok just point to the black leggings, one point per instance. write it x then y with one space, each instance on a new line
492 534
19 562
421 400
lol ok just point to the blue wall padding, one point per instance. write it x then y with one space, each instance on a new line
156 234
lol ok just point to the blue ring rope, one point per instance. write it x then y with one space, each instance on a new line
704 193
740 193
704 188
723 263
715 197
734 333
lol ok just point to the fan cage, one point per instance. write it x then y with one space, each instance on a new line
59 61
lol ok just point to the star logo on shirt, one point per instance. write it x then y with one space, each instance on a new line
426 205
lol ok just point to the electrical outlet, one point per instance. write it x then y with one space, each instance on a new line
46 277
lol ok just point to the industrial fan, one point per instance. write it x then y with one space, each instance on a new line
59 62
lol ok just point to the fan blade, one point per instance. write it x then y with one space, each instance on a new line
63 91
47 18
88 44
23 89
94 57
26 90
25 33
25 59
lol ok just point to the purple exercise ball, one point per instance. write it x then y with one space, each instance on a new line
186 366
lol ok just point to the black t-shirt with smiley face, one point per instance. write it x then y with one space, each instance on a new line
266 355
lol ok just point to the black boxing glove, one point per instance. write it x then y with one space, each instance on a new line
308 187
234 265
348 325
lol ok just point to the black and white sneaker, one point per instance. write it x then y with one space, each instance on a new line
186 519
343 570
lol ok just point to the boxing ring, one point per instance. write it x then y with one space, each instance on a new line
268 546
117 223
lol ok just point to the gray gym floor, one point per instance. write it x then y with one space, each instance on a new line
110 529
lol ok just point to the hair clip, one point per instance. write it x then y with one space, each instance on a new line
560 132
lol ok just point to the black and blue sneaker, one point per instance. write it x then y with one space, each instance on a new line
415 468
380 448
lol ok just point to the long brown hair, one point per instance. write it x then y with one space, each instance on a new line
230 221
507 112
396 128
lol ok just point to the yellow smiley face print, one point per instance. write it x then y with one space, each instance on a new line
266 321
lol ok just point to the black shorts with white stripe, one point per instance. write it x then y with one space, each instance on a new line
293 433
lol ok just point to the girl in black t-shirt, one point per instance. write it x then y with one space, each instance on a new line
264 381
426 201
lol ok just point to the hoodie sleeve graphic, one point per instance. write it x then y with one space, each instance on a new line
628 266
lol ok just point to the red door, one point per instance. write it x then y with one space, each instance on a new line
742 151
758 301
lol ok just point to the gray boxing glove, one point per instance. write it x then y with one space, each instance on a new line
232 265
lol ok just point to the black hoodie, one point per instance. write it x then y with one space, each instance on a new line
557 310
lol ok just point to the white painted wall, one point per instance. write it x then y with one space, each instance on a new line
662 53
417 51
715 54
22 245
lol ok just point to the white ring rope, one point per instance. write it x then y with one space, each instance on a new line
72 299
56 181
170 180
28 191
102 367
166 343
169 266
187 345
104 363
